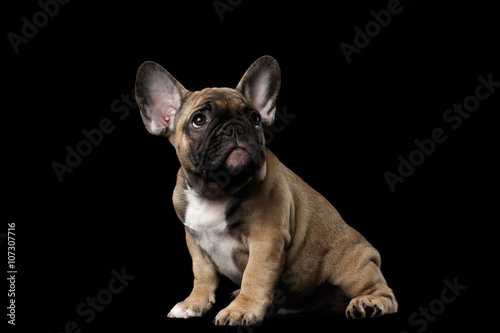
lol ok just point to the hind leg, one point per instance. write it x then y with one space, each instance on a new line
363 282
372 305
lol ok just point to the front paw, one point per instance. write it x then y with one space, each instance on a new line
240 313
191 308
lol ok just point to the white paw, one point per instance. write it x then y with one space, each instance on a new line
180 311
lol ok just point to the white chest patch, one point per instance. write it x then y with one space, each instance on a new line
206 219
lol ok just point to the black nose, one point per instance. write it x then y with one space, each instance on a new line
233 130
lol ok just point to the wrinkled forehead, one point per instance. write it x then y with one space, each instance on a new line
219 99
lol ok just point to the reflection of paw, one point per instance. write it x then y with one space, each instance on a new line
237 314
188 309
365 307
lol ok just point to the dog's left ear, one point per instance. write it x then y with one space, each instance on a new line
260 85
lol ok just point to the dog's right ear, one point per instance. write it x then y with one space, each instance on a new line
159 96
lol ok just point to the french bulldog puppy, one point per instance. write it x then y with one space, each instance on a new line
246 215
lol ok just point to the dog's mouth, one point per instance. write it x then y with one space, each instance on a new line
229 146
238 156
232 157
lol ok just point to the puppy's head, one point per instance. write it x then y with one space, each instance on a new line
217 132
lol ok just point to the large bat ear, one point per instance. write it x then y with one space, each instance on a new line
260 85
159 96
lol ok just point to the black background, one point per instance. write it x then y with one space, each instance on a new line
352 121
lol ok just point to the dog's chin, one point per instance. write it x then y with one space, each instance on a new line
237 159
236 169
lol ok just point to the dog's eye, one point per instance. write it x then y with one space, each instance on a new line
199 120
255 118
